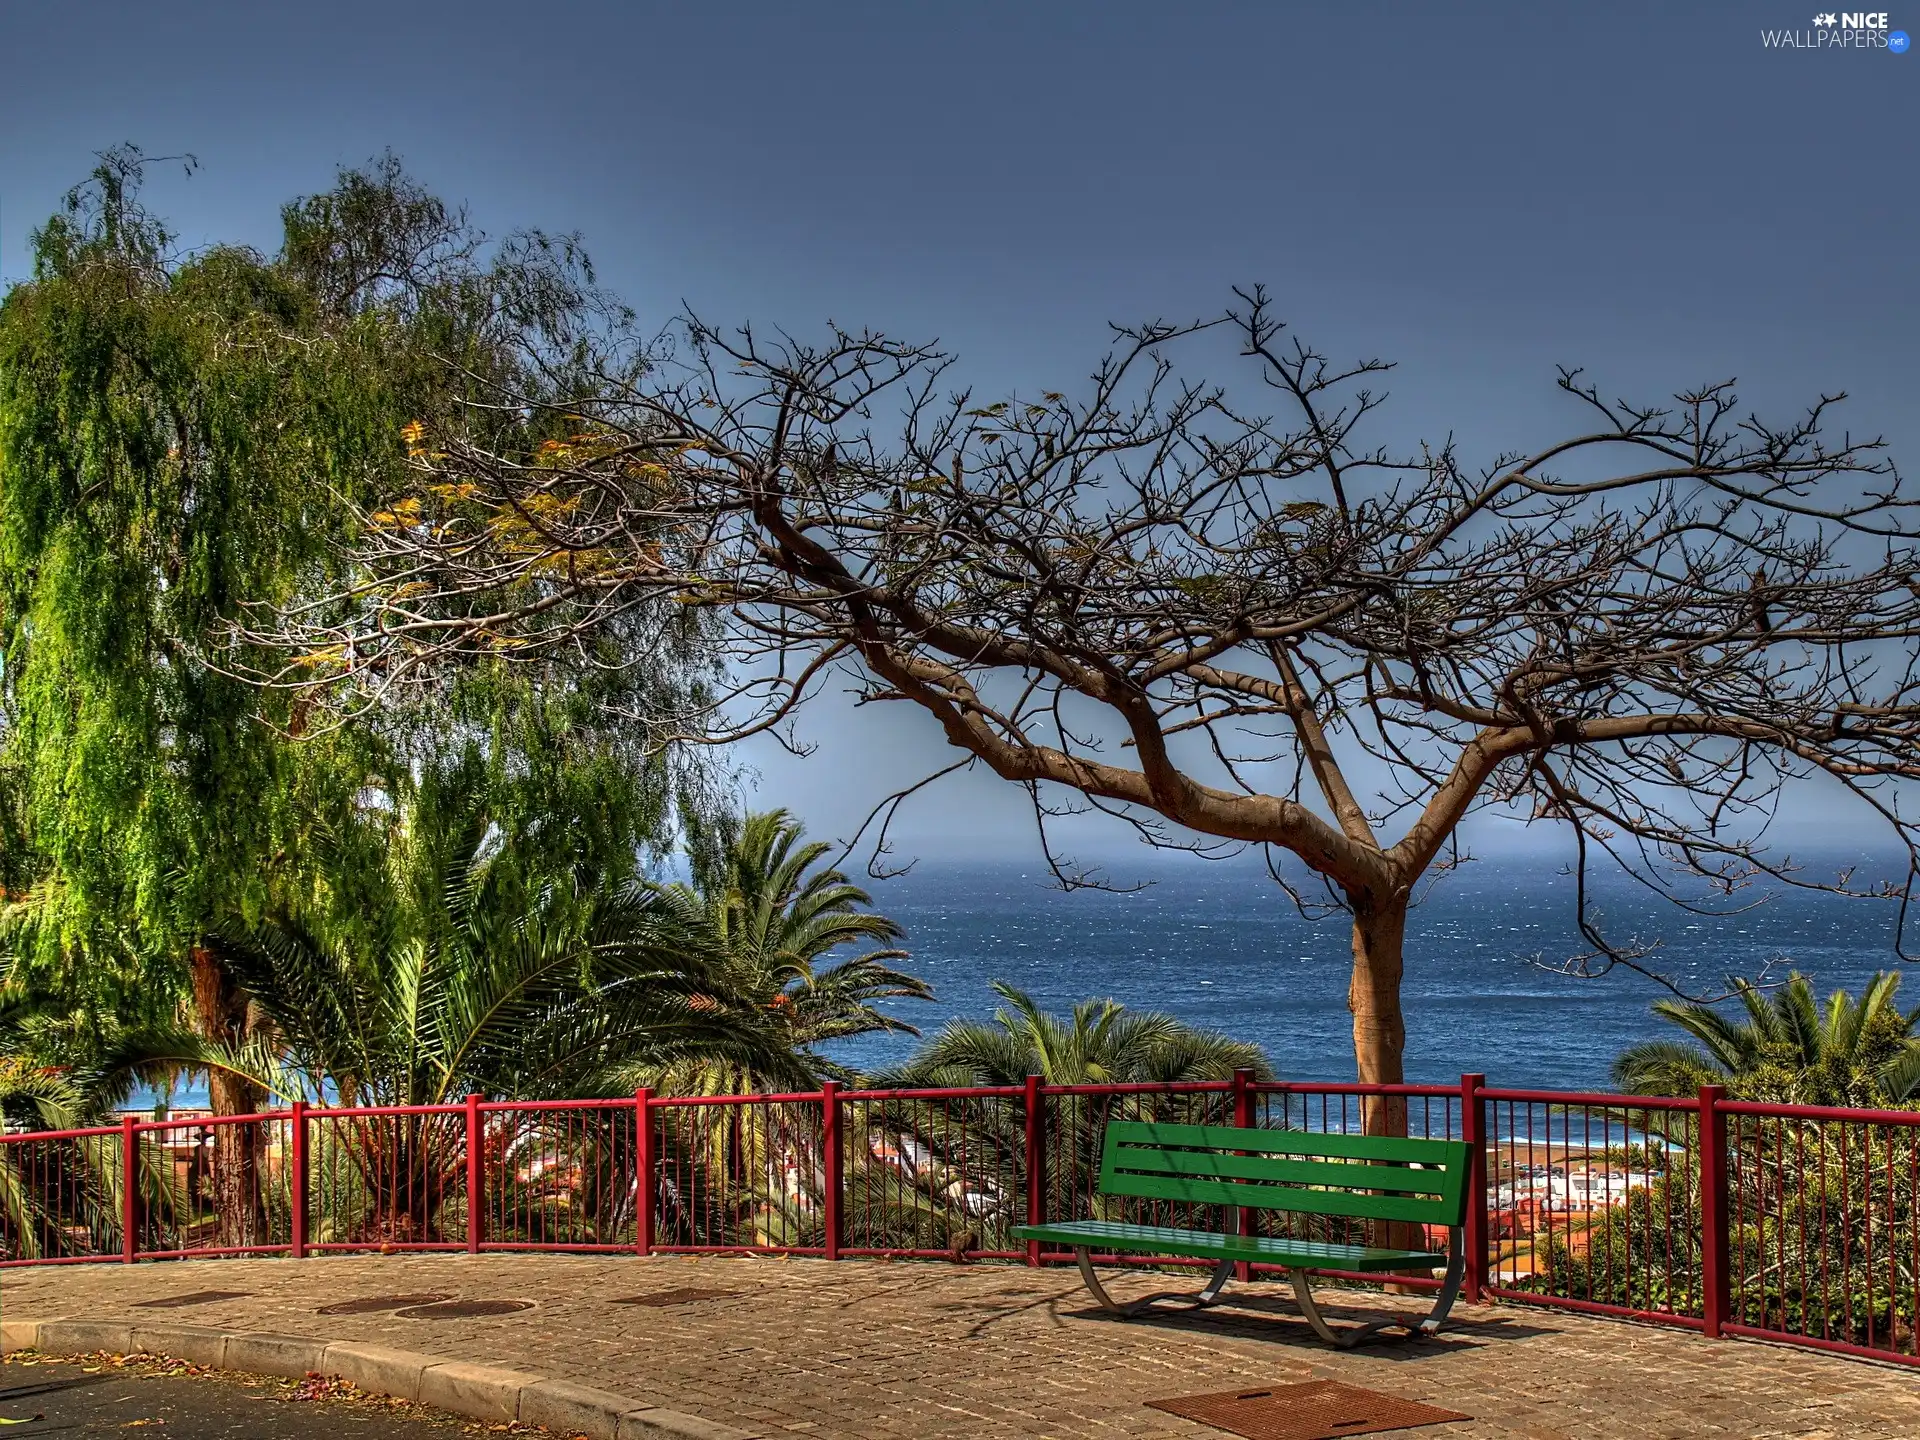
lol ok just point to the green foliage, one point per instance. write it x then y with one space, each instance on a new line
184 441
1821 1218
60 1197
1643 1252
178 439
1786 1047
499 973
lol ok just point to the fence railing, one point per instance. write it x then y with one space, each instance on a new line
1789 1223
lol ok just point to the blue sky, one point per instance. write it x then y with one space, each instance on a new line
1477 192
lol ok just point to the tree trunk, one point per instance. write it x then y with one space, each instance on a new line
1379 1030
220 1016
1380 1035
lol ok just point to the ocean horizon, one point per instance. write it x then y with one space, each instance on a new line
1220 945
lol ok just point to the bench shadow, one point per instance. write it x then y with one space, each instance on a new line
1277 1319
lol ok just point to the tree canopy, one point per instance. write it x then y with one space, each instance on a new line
186 435
1214 612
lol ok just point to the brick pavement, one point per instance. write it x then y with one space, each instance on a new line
909 1349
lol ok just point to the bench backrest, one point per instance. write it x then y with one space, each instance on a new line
1373 1177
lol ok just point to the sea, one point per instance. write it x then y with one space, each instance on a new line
1220 945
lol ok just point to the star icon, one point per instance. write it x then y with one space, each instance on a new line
1824 19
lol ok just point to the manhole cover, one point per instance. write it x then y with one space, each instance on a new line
1317 1410
198 1297
374 1304
463 1309
685 1295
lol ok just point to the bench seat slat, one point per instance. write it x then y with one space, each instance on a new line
1205 1245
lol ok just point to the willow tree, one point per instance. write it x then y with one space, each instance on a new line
1219 613
164 452
181 435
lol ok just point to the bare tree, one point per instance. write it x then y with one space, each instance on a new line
1159 601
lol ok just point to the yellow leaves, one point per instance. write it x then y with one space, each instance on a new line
327 657
413 432
402 516
463 490
545 505
582 448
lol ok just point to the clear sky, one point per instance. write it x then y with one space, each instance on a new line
1479 192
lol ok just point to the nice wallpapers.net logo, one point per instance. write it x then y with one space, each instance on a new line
1841 30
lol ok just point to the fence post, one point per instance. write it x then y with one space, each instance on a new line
129 1190
1712 1143
1243 1119
644 1184
1473 1130
297 1178
833 1159
1036 1120
476 1197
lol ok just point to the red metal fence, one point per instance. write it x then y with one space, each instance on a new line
1788 1223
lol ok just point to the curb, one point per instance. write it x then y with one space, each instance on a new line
480 1392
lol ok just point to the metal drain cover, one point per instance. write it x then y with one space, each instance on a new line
197 1297
374 1304
685 1295
1317 1410
463 1309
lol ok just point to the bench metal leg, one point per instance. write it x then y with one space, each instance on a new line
1349 1336
1208 1294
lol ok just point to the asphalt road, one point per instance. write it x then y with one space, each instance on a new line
100 1395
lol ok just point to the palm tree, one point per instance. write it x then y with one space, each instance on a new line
760 925
1786 1047
543 990
65 1196
1102 1043
762 922
491 981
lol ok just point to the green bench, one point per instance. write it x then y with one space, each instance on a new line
1363 1177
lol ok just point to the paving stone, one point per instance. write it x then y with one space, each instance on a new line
865 1348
